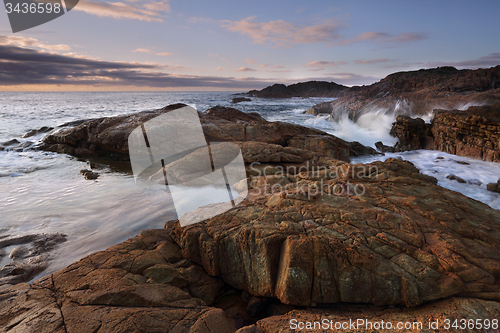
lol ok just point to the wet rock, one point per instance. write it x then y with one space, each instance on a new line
458 179
89 175
18 252
29 258
475 182
240 99
492 187
22 146
10 143
412 134
384 148
34 132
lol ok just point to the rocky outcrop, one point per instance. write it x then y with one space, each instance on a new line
382 235
412 134
107 136
240 99
473 133
418 93
318 239
302 89
141 285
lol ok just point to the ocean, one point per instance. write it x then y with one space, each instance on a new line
43 192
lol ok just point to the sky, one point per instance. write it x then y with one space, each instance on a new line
174 45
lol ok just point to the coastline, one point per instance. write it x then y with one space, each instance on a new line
187 277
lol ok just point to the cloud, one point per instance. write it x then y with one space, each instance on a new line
350 78
321 65
382 37
245 69
143 50
490 60
151 51
284 34
31 42
250 61
371 61
22 66
134 10
270 66
281 33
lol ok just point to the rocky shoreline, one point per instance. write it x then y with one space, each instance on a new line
324 239
418 93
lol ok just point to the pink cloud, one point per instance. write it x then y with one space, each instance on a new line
136 10
245 69
284 34
320 65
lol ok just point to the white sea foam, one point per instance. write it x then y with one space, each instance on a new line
441 165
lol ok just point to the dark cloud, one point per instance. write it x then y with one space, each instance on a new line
382 37
20 66
370 61
488 61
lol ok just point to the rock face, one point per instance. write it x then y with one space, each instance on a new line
418 93
315 238
143 284
473 133
303 89
105 136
